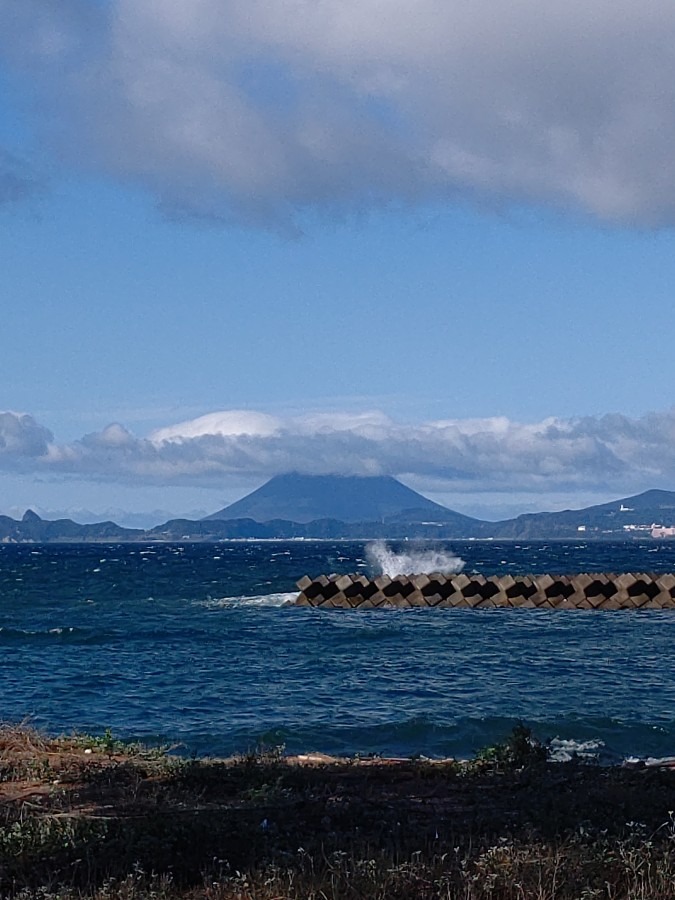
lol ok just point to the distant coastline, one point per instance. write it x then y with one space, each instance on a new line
647 516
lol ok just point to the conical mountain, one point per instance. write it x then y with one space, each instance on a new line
305 498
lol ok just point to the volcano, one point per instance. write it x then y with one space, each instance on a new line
347 498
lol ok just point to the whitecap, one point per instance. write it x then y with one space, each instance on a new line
418 558
563 750
285 598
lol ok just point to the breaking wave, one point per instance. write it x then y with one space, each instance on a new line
285 598
415 561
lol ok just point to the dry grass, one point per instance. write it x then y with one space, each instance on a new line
87 817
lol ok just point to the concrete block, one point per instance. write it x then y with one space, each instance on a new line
398 602
624 581
488 590
368 590
391 589
363 580
314 591
666 582
366 603
337 601
600 591
447 589
522 587
580 582
459 581
584 603
344 582
611 603
644 585
421 581
622 598
527 603
355 589
438 577
417 598
653 603
638 601
489 602
543 582
546 604
600 587
400 587
434 587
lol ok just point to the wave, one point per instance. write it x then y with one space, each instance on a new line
284 598
416 560
613 743
566 749
20 634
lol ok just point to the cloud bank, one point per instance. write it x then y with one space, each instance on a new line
264 112
612 452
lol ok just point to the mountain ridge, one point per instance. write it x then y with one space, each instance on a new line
622 519
348 498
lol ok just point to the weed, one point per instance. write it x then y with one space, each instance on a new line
125 826
520 750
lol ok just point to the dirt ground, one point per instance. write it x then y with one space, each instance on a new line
90 809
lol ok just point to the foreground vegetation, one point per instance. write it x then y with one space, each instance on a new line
90 817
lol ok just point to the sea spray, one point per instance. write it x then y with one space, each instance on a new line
415 561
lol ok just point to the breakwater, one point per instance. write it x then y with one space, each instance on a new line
584 591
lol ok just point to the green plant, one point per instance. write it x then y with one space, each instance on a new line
519 750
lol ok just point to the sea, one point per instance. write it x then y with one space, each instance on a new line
198 647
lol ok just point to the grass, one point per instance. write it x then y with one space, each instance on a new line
86 817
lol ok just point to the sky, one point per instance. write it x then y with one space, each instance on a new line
425 238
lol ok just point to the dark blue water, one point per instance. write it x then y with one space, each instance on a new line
192 644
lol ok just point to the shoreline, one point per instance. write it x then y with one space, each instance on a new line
93 817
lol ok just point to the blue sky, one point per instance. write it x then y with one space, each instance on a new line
243 238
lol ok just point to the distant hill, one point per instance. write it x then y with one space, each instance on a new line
348 499
629 517
31 528
363 508
296 506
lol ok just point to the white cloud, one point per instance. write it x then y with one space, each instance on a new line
263 110
607 453
229 423
22 440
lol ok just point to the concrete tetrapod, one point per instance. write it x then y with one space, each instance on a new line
601 591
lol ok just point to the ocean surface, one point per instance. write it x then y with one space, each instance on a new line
195 645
